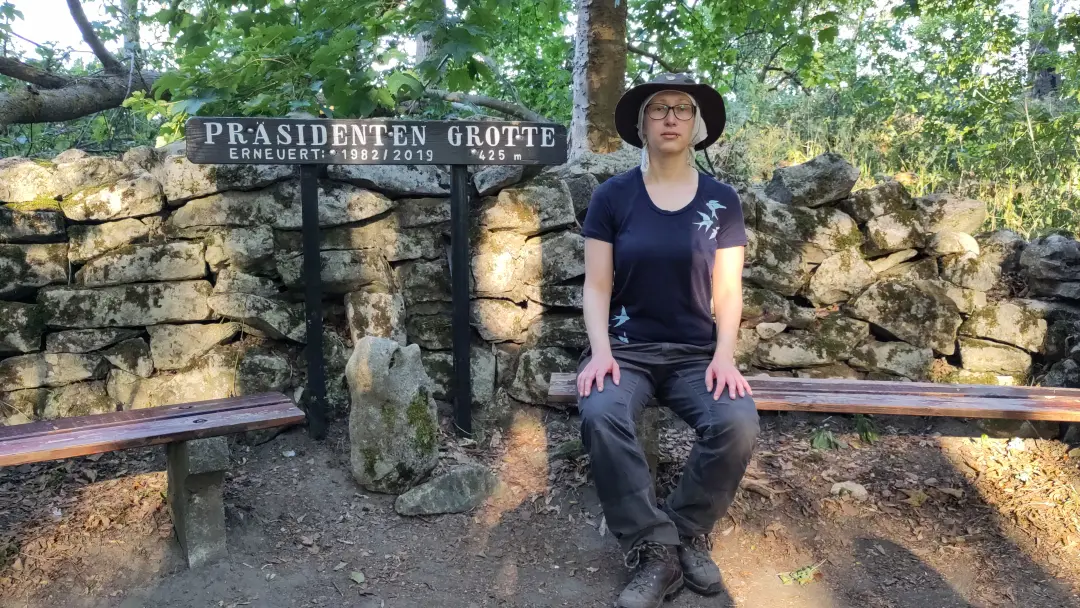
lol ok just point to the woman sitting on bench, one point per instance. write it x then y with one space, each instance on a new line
663 251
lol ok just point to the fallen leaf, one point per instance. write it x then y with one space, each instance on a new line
357 577
803 575
339 566
91 474
915 497
955 493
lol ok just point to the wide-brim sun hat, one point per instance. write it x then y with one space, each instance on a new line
710 105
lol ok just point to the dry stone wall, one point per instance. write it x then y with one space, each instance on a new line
146 280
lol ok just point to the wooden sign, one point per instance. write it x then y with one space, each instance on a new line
289 141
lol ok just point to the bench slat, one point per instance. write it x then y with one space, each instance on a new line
887 397
84 435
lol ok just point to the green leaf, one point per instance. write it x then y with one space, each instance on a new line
803 576
357 577
823 439
828 34
397 80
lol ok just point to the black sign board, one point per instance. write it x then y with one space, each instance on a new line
281 141
314 142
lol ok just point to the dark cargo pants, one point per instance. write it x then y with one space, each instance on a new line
726 430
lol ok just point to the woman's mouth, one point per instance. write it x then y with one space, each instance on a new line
669 135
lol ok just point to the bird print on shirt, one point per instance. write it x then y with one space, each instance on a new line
623 339
713 206
706 221
621 317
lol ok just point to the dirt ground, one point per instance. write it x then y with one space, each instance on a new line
952 519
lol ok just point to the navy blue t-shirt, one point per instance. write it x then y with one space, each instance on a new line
662 290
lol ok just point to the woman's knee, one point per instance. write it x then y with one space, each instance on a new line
734 420
605 410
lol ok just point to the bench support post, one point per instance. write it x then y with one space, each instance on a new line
196 471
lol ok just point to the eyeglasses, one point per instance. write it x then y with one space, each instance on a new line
659 111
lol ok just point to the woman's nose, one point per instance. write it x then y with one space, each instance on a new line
669 120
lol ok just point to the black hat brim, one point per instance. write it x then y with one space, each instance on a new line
710 104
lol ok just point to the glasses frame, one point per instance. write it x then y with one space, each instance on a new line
670 109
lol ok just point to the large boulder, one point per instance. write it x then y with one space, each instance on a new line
177 346
945 243
234 281
829 339
950 213
338 204
23 180
86 340
1011 322
534 369
342 271
498 264
176 261
414 212
424 281
24 268
1002 249
923 318
183 180
497 320
493 178
249 249
540 205
840 277
966 300
896 358
483 368
273 206
127 305
764 306
30 225
395 180
393 424
1051 265
823 179
779 266
460 489
277 319
827 229
882 199
21 326
565 330
88 241
132 356
77 170
49 370
429 325
133 197
925 269
986 356
893 232
969 270
601 166
553 258
375 313
82 399
885 263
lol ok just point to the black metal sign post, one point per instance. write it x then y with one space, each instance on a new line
312 143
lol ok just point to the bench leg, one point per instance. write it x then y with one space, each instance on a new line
196 472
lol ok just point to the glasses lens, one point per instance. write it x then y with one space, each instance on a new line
684 111
657 111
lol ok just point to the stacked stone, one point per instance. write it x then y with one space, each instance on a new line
146 280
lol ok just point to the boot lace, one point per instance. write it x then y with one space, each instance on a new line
644 553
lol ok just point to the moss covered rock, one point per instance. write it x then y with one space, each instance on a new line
277 319
128 305
22 180
30 225
132 356
882 199
395 180
888 262
21 327
893 232
1051 265
184 180
558 329
376 313
49 370
86 340
534 369
393 425
177 261
923 318
502 321
134 197
439 365
986 356
22 406
969 270
76 170
950 213
235 281
828 340
429 325
177 346
460 489
498 264
828 229
838 278
780 266
540 205
89 241
896 358
492 179
945 243
24 268
1011 322
909 272
832 370
342 271
82 399
553 258
823 179
424 281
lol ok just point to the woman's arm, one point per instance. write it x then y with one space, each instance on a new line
596 302
727 308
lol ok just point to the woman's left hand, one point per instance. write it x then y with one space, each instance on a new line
721 373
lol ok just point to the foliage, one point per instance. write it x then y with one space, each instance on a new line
864 425
823 439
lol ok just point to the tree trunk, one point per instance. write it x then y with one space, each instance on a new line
1044 78
130 27
26 105
599 75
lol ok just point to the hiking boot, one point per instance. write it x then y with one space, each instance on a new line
658 576
700 571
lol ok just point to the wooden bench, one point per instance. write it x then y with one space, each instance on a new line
197 453
880 397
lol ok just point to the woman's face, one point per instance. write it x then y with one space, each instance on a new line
669 134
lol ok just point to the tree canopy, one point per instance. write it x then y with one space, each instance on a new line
966 95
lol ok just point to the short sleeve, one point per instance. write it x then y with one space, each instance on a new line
599 220
732 232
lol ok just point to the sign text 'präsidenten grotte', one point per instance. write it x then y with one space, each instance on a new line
383 142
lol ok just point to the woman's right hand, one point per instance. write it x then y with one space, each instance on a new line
594 371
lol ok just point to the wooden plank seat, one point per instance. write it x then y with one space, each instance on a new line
197 453
891 398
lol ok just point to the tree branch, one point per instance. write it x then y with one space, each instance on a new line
499 105
78 99
664 64
90 36
32 74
